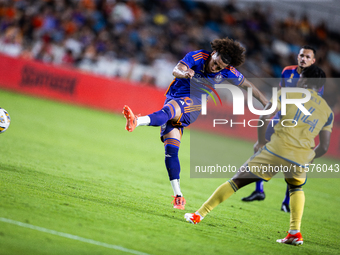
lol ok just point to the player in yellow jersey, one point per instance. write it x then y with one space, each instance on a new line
290 149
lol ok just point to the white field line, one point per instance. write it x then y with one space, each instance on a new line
78 238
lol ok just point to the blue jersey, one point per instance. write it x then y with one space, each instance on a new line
193 88
290 77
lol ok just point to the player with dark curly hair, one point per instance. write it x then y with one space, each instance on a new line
196 74
231 52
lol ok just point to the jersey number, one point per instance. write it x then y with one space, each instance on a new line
305 118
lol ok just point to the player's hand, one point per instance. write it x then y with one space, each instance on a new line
189 73
258 146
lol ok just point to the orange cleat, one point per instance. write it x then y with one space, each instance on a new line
292 239
131 119
179 202
193 218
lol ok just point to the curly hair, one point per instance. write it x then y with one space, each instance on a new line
315 76
231 52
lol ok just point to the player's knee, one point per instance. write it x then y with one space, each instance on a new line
244 180
294 187
295 183
170 110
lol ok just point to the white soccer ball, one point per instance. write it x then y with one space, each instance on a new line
5 120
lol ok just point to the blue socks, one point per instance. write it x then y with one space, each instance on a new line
171 146
259 186
161 117
287 198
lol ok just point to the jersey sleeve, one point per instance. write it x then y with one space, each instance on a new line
193 58
233 76
329 124
282 81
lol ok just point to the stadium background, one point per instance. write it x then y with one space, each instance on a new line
104 54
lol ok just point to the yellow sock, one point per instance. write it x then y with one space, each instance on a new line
221 193
297 203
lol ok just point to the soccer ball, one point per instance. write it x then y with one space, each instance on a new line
5 120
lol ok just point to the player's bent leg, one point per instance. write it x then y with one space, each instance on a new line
243 178
222 193
170 111
171 147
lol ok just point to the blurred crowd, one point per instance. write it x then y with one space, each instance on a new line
144 39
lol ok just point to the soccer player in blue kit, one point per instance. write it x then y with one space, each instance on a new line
289 78
196 73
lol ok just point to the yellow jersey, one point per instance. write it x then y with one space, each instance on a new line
293 139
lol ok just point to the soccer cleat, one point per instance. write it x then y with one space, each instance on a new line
131 119
193 218
256 195
285 208
179 202
292 239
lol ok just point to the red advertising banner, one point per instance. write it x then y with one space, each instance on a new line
111 94
76 87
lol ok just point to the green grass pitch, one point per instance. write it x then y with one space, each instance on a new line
77 171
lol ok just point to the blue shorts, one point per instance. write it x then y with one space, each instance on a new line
190 108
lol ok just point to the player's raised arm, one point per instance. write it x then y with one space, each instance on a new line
182 71
322 148
256 93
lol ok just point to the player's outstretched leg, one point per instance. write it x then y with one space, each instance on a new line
221 193
158 118
258 193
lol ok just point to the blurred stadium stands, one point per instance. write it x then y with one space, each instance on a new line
142 40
